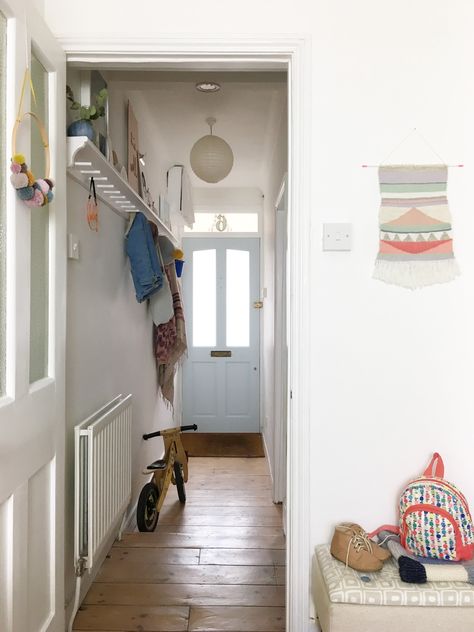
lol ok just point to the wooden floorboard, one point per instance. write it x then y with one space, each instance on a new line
243 557
138 594
207 519
125 618
215 564
237 619
196 574
183 540
177 510
240 466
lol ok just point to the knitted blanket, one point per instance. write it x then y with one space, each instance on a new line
419 570
416 246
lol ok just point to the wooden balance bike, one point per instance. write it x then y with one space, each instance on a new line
173 468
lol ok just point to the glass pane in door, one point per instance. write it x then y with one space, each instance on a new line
3 240
204 298
237 298
39 296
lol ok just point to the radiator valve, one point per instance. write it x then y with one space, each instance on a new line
81 566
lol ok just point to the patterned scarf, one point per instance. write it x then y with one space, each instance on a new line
170 340
416 246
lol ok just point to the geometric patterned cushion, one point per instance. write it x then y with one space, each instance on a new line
385 588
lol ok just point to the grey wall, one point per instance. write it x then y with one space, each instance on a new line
109 345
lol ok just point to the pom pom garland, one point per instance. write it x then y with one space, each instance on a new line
34 193
19 180
37 200
43 185
26 193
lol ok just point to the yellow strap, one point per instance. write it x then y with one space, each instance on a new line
39 122
26 76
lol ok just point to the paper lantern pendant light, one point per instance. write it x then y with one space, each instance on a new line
211 157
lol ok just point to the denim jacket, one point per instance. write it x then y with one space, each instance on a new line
145 266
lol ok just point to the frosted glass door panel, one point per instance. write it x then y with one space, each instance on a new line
238 298
204 298
39 296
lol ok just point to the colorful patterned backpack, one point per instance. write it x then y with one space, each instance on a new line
435 520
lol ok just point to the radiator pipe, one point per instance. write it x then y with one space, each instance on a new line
80 569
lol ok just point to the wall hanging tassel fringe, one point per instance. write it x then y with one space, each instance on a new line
416 246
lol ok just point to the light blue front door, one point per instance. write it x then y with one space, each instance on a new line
221 375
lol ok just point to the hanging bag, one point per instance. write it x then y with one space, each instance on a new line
33 192
92 208
435 520
161 303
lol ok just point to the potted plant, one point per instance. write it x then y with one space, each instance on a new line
86 114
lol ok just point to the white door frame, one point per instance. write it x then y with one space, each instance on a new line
254 52
281 363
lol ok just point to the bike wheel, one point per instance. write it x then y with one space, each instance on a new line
178 477
147 515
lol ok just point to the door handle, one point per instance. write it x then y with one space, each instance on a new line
221 354
258 304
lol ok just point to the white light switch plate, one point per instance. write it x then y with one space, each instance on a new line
337 236
72 246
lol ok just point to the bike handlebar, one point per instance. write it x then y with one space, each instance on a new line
150 435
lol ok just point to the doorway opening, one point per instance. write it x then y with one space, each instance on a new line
294 542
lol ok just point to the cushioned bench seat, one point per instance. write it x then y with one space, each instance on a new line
350 601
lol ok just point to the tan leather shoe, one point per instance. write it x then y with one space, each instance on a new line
354 549
379 551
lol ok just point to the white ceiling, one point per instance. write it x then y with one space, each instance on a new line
248 108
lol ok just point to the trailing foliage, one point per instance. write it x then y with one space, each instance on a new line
88 112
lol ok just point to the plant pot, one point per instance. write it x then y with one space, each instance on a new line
81 128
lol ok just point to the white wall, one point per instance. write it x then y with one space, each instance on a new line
392 370
230 199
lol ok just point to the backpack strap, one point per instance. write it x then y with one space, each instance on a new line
385 527
436 467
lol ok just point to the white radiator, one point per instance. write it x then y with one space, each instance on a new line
103 477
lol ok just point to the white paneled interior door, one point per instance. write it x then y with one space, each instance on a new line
221 375
32 334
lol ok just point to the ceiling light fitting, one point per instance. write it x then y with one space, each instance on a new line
208 86
211 156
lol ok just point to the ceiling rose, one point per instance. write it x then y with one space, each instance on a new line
208 86
211 156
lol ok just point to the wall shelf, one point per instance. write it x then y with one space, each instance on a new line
85 160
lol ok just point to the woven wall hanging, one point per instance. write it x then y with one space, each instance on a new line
416 246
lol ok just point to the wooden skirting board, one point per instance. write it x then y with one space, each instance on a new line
224 444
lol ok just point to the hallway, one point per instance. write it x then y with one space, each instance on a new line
216 564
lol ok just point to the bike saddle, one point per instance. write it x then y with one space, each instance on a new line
158 465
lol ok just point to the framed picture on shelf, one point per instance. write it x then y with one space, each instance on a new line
133 169
144 190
